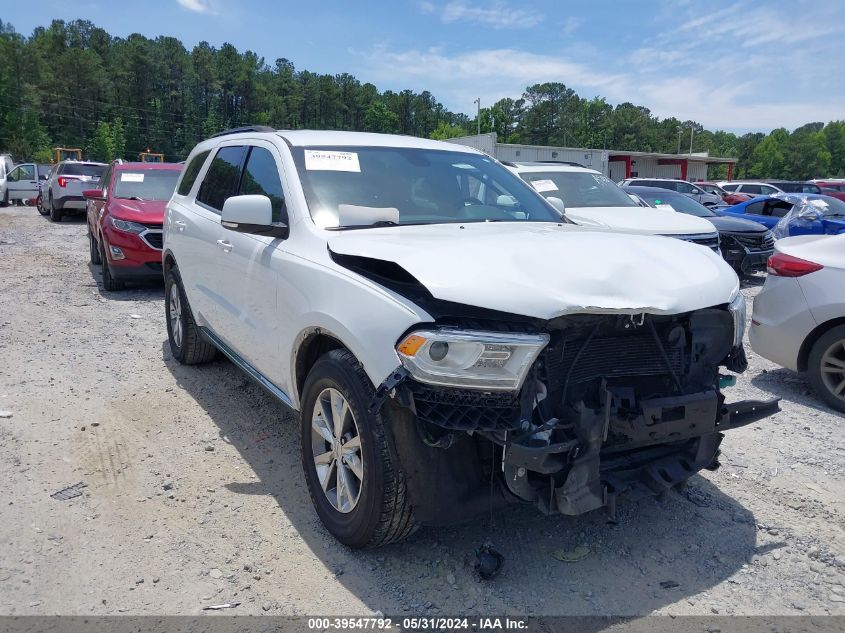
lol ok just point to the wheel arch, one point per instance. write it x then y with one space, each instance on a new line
313 343
812 337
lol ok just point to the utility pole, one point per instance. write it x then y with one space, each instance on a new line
691 131
478 116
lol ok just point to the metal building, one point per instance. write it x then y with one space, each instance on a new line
615 164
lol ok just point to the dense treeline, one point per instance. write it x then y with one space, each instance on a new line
72 84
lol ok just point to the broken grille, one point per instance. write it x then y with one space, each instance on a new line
608 357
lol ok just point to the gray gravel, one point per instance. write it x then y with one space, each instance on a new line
195 495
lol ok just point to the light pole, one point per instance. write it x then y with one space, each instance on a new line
691 132
478 116
680 129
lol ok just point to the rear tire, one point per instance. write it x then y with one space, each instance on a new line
187 343
5 201
40 204
382 511
826 367
109 282
55 214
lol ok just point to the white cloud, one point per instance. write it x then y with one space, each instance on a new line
197 6
571 24
497 15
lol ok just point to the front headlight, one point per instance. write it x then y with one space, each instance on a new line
127 227
739 313
475 360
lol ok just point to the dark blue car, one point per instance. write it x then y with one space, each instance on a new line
792 214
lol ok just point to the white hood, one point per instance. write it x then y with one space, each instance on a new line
641 220
545 270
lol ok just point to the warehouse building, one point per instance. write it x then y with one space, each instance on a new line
615 164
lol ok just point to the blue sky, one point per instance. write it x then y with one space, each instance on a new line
737 66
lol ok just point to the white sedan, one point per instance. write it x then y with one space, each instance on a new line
799 316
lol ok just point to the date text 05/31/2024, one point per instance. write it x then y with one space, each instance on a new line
419 623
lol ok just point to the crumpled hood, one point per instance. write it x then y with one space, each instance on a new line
545 270
144 211
641 220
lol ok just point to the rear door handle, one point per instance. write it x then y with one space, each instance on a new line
226 246
180 225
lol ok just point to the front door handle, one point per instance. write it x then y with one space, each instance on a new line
226 246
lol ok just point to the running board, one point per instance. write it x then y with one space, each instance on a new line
248 369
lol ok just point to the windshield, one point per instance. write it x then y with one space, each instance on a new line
367 186
678 202
82 169
146 184
579 189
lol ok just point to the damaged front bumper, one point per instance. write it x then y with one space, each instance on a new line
614 452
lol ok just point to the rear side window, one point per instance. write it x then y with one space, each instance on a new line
221 179
261 177
81 169
191 173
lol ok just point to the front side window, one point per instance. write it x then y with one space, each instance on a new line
729 187
366 186
684 187
221 179
145 184
104 181
579 189
261 177
756 208
191 172
755 190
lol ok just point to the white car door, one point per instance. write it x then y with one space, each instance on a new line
205 244
23 182
251 270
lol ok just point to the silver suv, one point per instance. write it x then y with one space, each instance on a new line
63 192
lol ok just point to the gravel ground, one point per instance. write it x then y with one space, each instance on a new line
195 494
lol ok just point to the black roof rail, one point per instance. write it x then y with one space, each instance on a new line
559 162
247 128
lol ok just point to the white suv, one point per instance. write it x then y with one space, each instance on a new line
591 199
449 340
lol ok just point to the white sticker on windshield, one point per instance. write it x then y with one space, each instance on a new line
664 205
544 185
317 160
127 177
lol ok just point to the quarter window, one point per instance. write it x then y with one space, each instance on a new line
261 177
191 173
221 179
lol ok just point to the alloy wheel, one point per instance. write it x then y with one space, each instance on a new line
336 449
175 303
833 369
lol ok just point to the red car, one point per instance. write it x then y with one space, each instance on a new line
125 217
832 188
728 196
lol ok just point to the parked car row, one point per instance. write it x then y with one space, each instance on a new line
455 333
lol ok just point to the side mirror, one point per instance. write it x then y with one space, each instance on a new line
251 214
808 214
93 194
557 203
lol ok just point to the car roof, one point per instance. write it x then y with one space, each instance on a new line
138 165
540 166
661 179
331 138
79 162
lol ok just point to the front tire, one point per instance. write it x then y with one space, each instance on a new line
187 343
109 282
4 201
826 367
355 482
93 250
